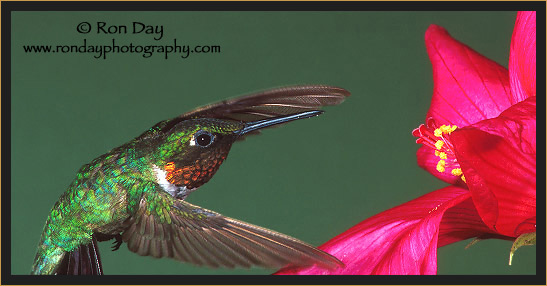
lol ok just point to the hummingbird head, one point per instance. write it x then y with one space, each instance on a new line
194 149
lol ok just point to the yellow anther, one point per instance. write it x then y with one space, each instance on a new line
463 179
440 166
457 172
439 144
441 155
447 129
438 132
444 129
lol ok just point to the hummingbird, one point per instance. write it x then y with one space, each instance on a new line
136 193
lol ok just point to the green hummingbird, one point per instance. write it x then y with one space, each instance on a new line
136 193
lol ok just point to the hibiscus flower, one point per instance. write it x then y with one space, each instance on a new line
479 136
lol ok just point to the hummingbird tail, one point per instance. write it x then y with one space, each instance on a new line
84 260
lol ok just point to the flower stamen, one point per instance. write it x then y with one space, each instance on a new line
439 144
457 172
441 166
438 139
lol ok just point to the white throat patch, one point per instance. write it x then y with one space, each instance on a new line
175 191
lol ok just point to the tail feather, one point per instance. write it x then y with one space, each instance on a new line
84 260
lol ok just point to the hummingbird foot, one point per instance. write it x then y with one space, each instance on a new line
183 192
116 244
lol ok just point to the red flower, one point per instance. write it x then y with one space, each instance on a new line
480 136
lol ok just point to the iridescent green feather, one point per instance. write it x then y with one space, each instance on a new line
103 195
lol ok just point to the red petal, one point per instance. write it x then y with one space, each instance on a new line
403 240
518 125
522 59
462 222
498 160
468 86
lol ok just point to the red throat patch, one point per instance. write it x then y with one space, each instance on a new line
194 175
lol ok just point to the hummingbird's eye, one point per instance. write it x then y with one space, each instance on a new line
203 138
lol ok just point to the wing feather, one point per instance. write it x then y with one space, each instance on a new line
168 227
261 105
308 97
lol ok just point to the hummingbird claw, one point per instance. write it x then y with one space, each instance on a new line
116 244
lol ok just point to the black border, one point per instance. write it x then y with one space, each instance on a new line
270 6
8 7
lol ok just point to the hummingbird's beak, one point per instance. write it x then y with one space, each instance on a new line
255 125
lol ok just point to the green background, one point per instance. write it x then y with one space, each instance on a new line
311 179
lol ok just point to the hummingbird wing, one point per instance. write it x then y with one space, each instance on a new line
271 103
265 104
168 227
